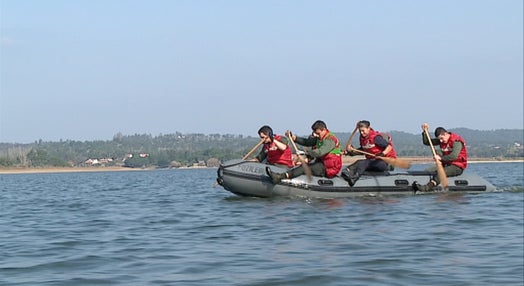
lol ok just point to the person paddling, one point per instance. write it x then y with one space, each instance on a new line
374 144
276 150
325 149
453 155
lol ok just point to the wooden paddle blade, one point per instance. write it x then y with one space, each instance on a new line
403 164
440 169
392 161
442 175
306 167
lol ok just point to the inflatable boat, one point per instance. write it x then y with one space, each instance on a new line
248 178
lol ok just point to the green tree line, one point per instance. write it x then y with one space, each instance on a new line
177 149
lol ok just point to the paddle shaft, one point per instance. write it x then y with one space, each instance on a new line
351 137
392 161
253 150
305 165
440 169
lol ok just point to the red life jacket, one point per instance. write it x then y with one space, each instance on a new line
332 160
277 156
368 144
447 148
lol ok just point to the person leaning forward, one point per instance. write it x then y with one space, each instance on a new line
324 149
275 150
373 142
453 155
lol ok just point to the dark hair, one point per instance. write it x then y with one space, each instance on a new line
364 123
266 130
439 131
319 124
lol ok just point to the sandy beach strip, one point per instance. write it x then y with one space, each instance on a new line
65 170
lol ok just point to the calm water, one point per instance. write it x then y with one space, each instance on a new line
171 227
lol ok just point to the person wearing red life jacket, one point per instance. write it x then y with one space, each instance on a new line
324 149
373 142
452 154
276 150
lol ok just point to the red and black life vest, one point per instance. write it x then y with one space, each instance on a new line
368 144
447 148
332 160
277 156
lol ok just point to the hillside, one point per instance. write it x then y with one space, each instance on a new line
174 150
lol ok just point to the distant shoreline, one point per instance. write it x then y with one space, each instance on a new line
65 170
345 161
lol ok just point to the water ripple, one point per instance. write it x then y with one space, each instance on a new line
171 227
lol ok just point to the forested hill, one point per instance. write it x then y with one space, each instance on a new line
173 150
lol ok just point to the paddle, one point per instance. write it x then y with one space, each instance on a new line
392 161
440 169
253 150
307 169
351 137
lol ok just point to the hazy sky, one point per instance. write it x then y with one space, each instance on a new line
88 69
